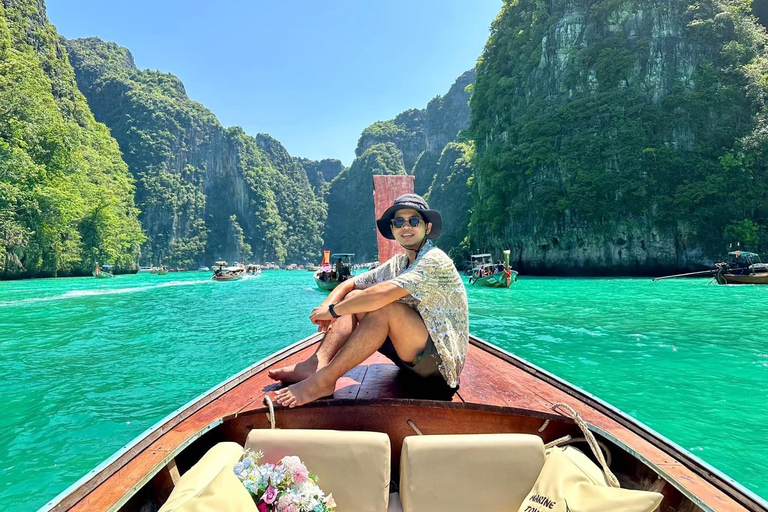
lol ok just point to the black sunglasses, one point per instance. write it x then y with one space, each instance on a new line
399 222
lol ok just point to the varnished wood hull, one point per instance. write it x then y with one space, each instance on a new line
742 279
229 278
499 393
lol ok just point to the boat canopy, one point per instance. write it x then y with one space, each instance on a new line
221 263
346 257
107 266
745 257
478 256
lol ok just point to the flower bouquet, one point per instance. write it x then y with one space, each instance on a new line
283 487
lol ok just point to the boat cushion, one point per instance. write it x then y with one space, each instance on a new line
225 493
199 476
354 466
565 486
483 472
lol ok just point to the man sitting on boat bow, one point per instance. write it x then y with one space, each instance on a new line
413 309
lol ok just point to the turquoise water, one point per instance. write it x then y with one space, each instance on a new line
89 364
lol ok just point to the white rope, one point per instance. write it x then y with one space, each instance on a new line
414 427
271 414
543 426
602 445
571 413
557 442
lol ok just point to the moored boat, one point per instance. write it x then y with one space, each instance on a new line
743 268
486 273
144 270
334 270
499 393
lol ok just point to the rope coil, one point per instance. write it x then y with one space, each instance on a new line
271 414
589 436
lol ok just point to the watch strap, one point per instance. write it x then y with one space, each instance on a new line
332 311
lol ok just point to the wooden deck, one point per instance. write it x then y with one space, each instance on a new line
488 384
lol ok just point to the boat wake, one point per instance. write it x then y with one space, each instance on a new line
76 294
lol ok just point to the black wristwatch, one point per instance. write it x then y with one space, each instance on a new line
331 310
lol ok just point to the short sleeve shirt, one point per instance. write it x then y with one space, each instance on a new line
437 293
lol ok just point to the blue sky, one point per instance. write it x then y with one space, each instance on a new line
311 74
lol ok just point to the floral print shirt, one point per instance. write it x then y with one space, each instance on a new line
437 293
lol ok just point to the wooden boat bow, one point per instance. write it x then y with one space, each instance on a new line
499 392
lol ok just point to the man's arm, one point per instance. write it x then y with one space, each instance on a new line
338 293
370 299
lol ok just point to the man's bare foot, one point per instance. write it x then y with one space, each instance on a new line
304 392
297 372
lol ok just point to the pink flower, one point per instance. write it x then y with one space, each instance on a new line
270 495
290 508
300 474
284 502
330 501
262 507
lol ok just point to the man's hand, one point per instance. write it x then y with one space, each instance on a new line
321 317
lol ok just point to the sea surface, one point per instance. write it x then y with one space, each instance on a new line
86 365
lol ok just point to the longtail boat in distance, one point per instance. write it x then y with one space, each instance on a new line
222 272
103 272
380 428
743 267
330 274
493 275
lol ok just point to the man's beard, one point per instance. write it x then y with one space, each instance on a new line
414 246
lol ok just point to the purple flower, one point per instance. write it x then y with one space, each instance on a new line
270 495
262 507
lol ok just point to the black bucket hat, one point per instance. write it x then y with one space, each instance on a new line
414 202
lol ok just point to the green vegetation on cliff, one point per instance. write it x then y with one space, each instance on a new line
620 134
66 197
205 192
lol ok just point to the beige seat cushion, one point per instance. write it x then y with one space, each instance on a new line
354 466
225 493
199 476
478 472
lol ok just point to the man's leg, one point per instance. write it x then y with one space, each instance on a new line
402 324
332 342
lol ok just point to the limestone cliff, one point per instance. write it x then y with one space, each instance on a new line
620 136
411 143
205 192
351 225
66 196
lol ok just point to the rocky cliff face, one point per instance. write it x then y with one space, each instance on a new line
411 143
205 192
620 136
66 197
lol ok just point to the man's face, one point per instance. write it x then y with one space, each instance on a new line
409 236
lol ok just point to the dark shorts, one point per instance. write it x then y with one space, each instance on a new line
422 377
426 364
